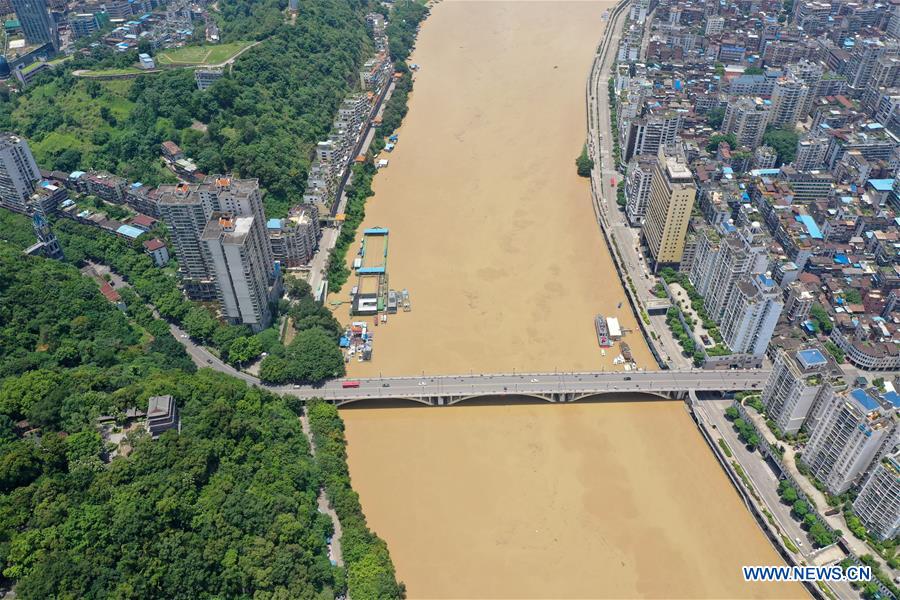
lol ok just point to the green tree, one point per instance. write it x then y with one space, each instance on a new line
314 357
800 508
784 141
715 140
584 163
714 117
244 349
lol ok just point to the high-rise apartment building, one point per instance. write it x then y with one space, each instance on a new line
851 431
788 100
37 24
746 118
878 502
751 315
811 154
811 74
186 216
798 302
18 172
863 56
187 210
240 257
637 186
723 259
792 388
294 240
715 25
646 135
672 193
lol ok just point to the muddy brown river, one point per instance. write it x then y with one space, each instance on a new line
493 234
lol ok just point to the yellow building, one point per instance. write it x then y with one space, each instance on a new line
672 193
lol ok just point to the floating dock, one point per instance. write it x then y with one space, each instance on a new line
370 295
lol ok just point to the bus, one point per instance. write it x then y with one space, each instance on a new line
350 384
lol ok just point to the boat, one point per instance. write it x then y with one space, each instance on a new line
392 301
602 331
404 295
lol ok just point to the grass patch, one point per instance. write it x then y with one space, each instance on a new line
724 445
200 55
789 544
113 72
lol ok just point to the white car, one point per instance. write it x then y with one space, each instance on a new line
423 383
534 380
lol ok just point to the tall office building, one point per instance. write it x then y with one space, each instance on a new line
746 118
724 259
187 210
37 24
788 99
240 258
637 186
672 193
878 502
851 430
750 318
792 388
18 172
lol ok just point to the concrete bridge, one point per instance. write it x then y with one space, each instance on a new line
446 390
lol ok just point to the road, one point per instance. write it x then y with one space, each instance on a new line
624 238
335 552
765 481
496 384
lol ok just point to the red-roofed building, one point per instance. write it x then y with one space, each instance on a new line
112 295
158 251
143 222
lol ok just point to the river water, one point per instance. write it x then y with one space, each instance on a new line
493 234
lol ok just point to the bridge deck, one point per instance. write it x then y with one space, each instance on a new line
556 387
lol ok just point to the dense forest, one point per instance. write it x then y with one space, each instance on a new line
262 120
224 509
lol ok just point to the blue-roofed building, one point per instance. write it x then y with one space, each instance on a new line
130 232
811 228
796 381
848 433
864 399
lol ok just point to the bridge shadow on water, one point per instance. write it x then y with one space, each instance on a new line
509 400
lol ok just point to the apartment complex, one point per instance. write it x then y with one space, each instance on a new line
751 316
852 430
36 22
722 260
878 502
746 119
638 181
672 193
219 233
294 239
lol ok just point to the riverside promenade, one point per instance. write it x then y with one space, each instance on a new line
622 240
